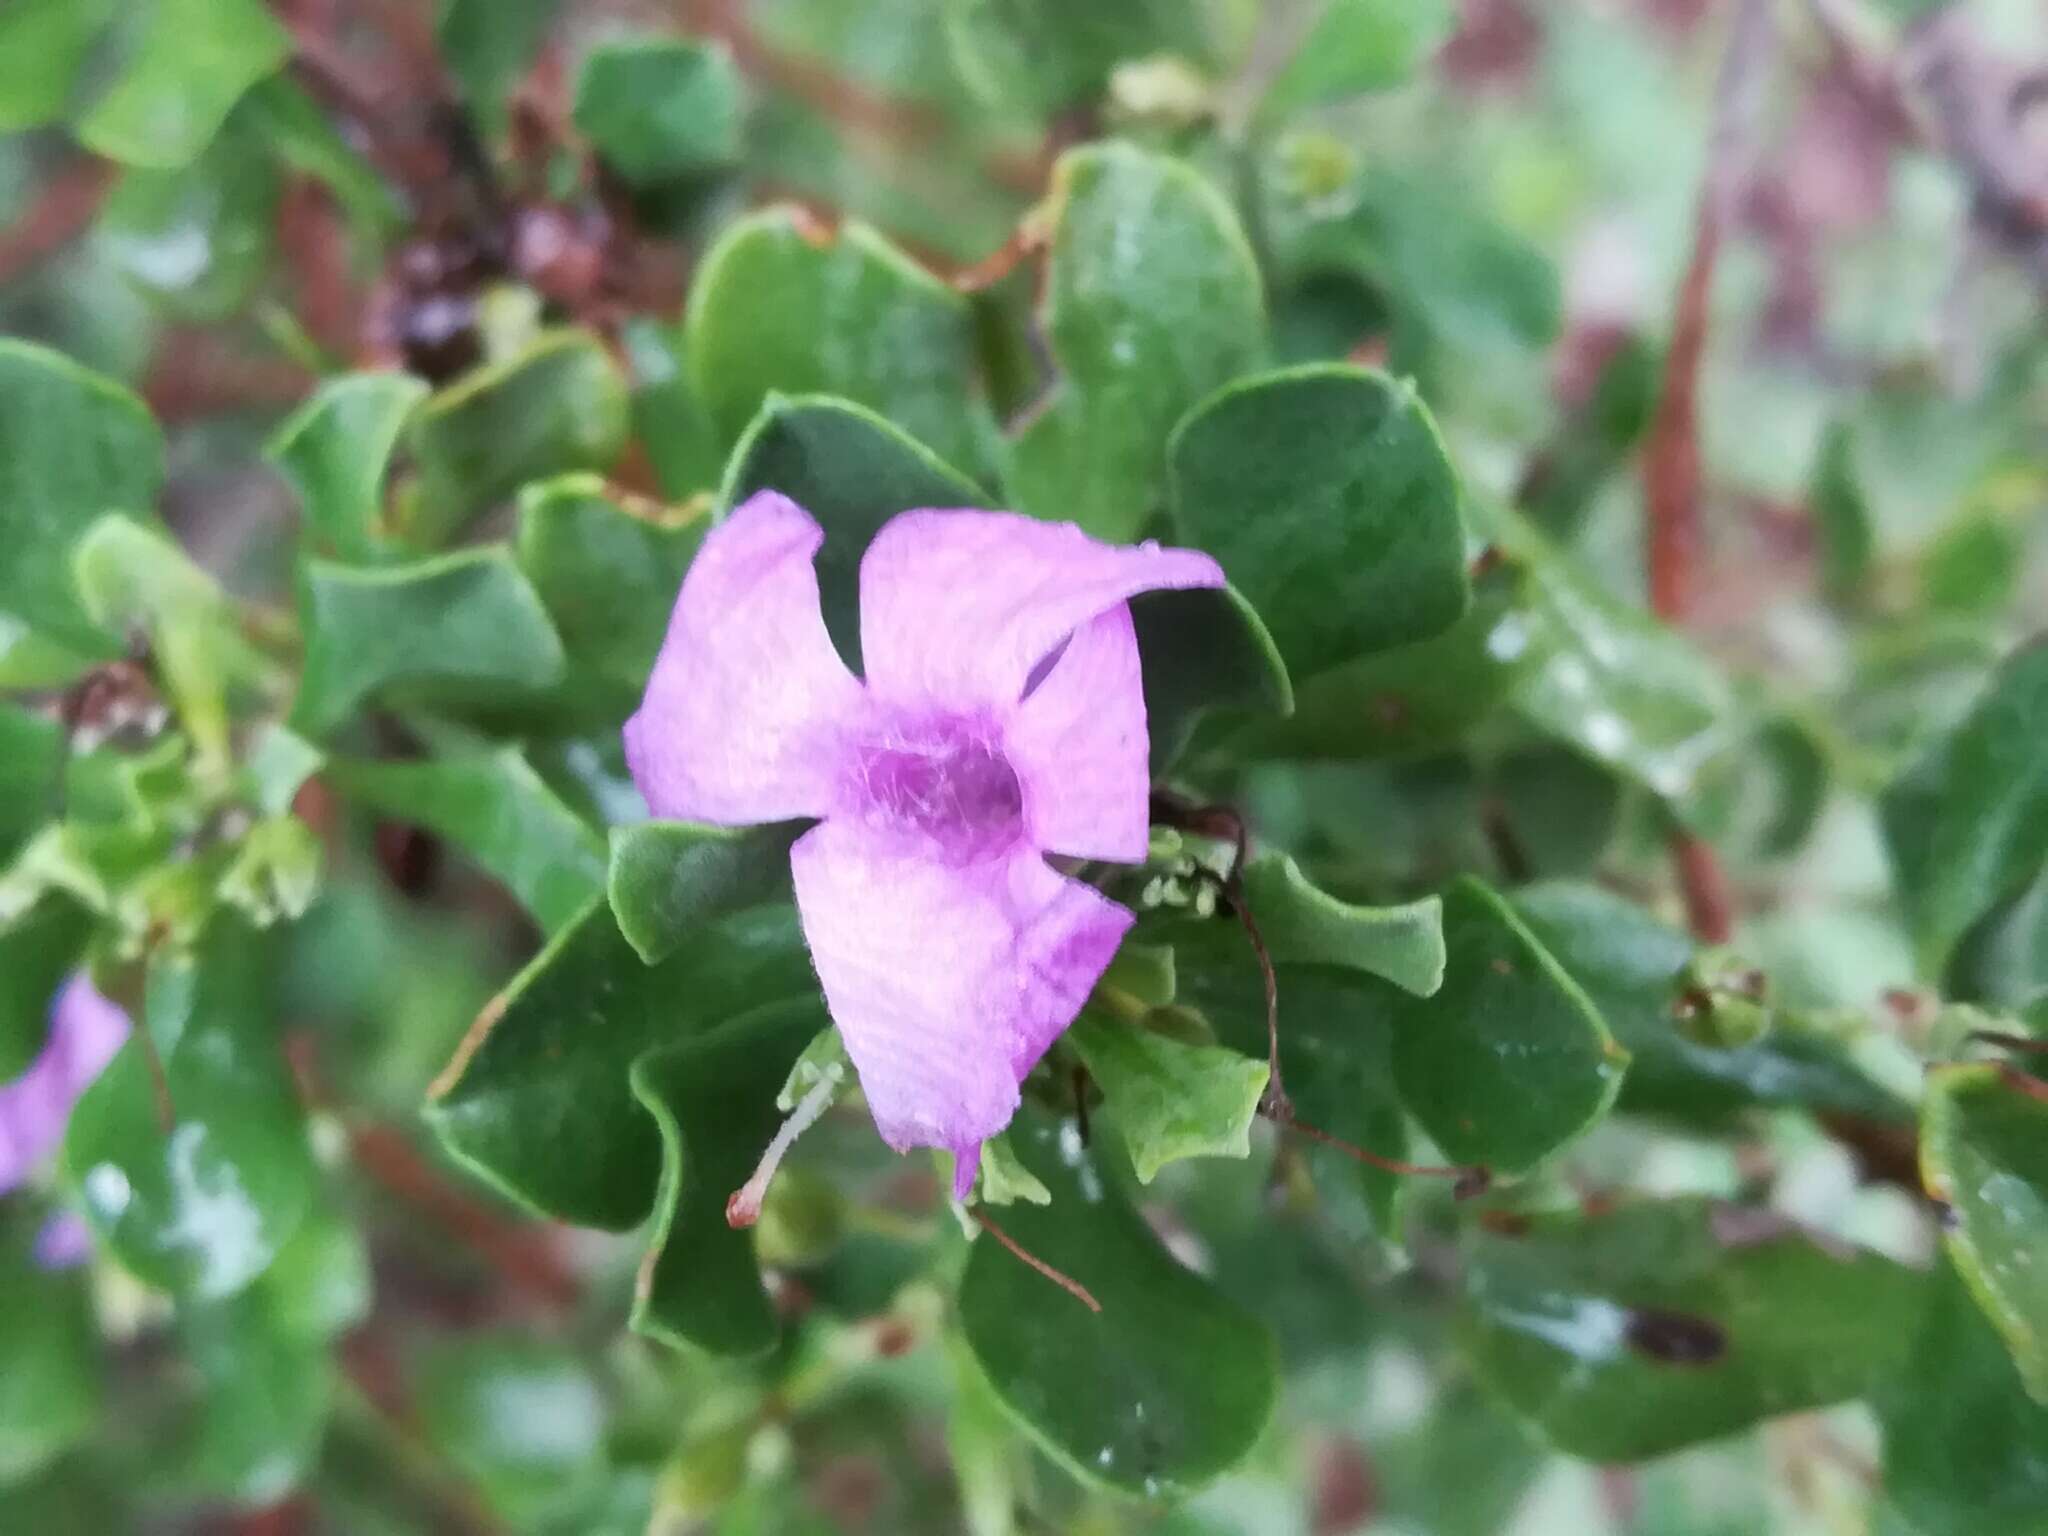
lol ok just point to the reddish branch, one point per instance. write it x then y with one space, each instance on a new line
1671 456
60 214
1065 1282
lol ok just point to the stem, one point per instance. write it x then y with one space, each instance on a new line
1065 1282
1473 1178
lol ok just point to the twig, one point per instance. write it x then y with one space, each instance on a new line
1703 883
1671 463
1473 1178
1065 1282
61 212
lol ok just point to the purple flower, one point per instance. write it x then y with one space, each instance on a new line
1000 720
85 1032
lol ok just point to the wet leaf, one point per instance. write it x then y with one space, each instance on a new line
1300 924
521 1418
1170 1099
669 878
659 108
1984 1154
537 1100
714 1098
1664 1323
1637 970
558 406
1965 1448
202 1208
494 807
196 240
1967 823
73 446
1356 46
1180 1381
266 1389
1152 301
609 577
335 451
1325 492
43 45
460 628
1509 1059
1042 55
191 63
50 1391
779 308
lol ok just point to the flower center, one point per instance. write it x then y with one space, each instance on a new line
943 779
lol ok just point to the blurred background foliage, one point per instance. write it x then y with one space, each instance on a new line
1628 423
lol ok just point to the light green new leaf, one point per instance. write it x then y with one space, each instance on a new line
1170 1099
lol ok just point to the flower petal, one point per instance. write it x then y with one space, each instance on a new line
85 1032
947 982
960 607
748 699
1077 744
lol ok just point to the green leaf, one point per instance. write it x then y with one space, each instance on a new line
192 63
335 451
275 873
196 240
1984 1153
669 878
1404 945
1637 970
266 1389
43 46
1167 1387
1413 699
202 1208
1660 1324
320 1285
50 1389
560 405
659 109
713 1097
1043 55
1152 300
1325 492
1509 1059
494 807
778 307
669 421
519 1416
38 951
1965 1448
1003 1179
852 471
1336 1047
135 580
1357 46
537 1100
1171 1099
609 577
1445 267
1841 516
73 446
304 138
1967 823
1609 680
32 754
462 628
1203 648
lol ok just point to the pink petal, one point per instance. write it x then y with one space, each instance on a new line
748 699
959 607
1078 746
85 1032
947 981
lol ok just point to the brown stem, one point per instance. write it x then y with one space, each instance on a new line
1473 1178
1709 899
1065 1282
